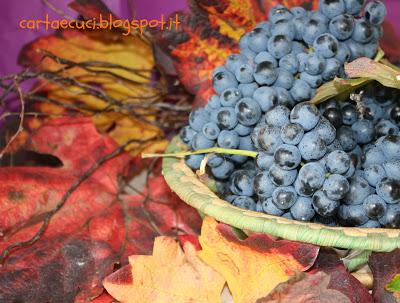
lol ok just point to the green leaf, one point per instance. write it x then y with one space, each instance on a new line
394 285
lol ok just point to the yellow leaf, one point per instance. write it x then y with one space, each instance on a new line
169 275
254 266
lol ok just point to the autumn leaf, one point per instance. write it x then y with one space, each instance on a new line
305 289
394 285
95 229
254 266
170 274
209 34
103 74
384 267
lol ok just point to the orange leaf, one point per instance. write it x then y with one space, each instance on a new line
169 275
254 266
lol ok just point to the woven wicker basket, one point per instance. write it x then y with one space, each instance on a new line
184 182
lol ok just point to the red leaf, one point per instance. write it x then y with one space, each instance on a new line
384 267
340 279
95 229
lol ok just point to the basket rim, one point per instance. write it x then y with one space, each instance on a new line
185 183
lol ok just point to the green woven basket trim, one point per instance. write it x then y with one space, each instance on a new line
184 182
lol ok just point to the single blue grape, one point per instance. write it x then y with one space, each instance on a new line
311 177
285 79
277 116
315 64
197 118
284 197
391 219
224 170
332 69
263 185
279 12
281 177
248 111
392 169
336 187
335 145
346 137
290 63
318 15
391 148
299 23
265 73
332 8
194 161
342 26
284 97
279 46
359 190
389 190
351 171
302 210
298 47
225 117
373 155
257 40
363 32
337 162
266 25
215 160
375 12
264 160
223 80
306 114
349 114
287 215
269 138
370 224
211 130
292 133
373 112
265 56
287 156
298 11
230 96
244 202
301 91
374 174
248 89
326 45
312 147
213 102
200 141
325 130
324 206
228 139
364 131
284 27
244 73
313 80
302 58
269 207
186 134
374 206
230 198
241 183
266 97
370 49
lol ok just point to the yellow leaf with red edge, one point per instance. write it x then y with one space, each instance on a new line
100 73
210 33
169 275
254 266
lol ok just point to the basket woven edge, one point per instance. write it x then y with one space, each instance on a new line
184 182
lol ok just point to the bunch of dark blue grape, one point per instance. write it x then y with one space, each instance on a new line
311 161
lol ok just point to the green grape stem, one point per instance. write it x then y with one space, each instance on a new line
217 150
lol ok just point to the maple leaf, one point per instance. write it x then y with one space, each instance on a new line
254 266
95 228
168 275
103 74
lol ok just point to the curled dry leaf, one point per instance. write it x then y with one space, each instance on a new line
101 73
170 274
254 266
